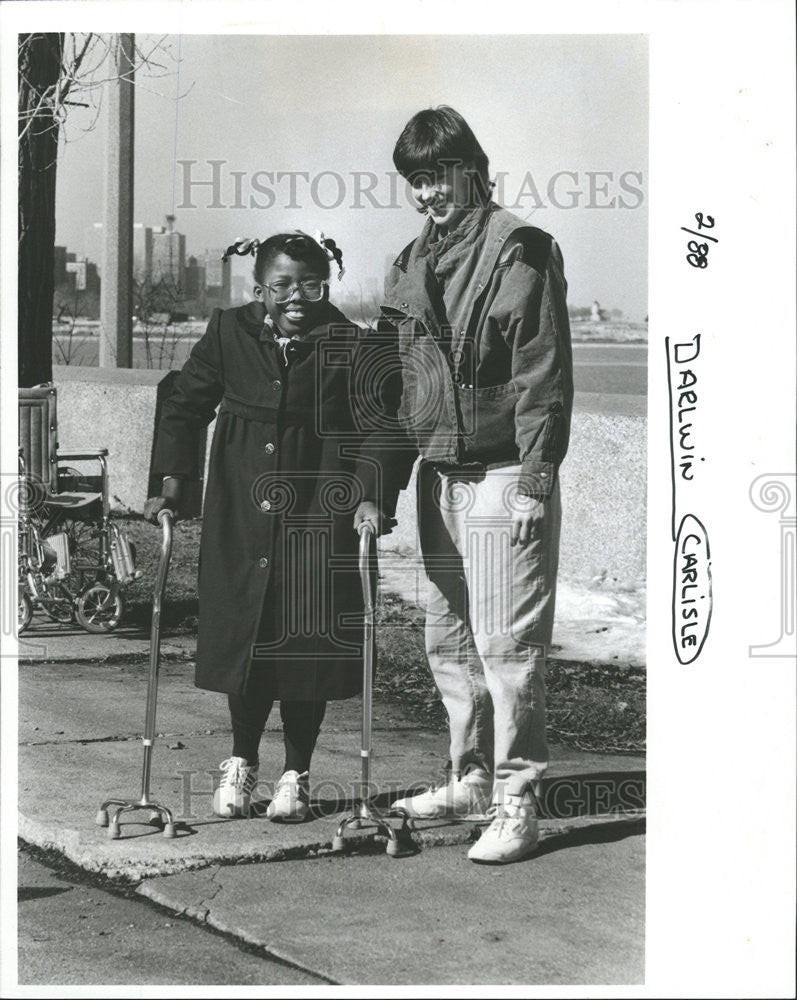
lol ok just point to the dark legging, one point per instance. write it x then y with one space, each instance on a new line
301 722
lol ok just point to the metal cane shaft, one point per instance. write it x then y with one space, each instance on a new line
166 519
366 534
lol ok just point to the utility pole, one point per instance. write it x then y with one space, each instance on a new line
116 296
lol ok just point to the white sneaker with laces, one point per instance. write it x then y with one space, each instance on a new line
467 797
512 835
291 801
233 796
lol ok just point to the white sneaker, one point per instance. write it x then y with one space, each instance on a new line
512 835
291 801
464 798
233 796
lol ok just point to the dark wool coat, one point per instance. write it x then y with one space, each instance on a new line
278 573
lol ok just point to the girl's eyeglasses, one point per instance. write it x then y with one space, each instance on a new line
311 290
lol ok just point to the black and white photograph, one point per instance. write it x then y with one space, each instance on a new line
398 503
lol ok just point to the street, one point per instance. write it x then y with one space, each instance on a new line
600 368
71 931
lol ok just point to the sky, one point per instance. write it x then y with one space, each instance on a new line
304 126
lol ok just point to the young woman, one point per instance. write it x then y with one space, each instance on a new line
478 305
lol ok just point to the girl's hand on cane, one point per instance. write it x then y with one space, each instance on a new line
368 511
170 497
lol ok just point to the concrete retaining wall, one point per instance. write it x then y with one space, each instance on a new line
604 488
603 483
117 409
603 478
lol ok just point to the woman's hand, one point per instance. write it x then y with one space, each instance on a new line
368 511
523 521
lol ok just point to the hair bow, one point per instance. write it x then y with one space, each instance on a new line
243 247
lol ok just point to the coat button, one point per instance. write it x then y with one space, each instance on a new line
269 449
263 562
276 384
265 505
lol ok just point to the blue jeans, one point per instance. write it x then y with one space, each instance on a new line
489 616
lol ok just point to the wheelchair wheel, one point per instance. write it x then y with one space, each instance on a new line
100 608
24 612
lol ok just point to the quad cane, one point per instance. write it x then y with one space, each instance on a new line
159 814
365 812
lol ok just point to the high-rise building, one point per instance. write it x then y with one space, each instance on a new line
240 291
59 266
218 283
193 279
92 278
165 256
93 247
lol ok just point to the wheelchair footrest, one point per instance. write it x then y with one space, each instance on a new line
123 555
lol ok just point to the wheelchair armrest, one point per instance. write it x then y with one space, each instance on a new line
78 456
98 454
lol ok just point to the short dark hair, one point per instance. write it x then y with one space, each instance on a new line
439 137
296 247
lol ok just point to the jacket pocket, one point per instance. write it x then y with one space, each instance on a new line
488 422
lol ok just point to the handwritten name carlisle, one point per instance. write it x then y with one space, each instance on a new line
692 589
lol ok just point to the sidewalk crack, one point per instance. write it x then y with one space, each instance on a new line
203 907
122 738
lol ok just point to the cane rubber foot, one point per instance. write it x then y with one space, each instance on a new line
393 848
101 819
169 831
338 844
114 831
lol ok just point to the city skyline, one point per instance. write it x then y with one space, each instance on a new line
303 139
163 271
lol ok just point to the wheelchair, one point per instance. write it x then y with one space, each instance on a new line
74 562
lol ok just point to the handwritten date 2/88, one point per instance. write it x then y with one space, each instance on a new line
698 252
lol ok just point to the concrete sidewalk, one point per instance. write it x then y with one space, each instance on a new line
79 728
573 913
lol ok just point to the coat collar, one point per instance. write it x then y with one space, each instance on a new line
465 232
416 291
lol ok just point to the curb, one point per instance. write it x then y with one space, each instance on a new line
112 659
68 842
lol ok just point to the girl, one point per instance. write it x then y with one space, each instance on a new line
279 591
